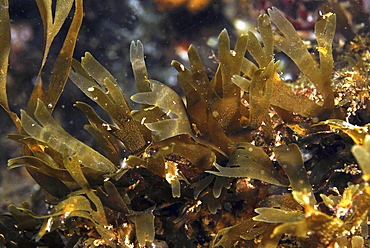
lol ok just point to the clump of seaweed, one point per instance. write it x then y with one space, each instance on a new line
193 167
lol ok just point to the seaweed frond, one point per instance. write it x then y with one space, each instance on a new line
53 21
4 59
293 46
98 84
193 167
46 129
250 161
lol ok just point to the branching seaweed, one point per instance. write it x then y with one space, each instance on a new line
292 45
193 166
252 162
98 84
52 25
